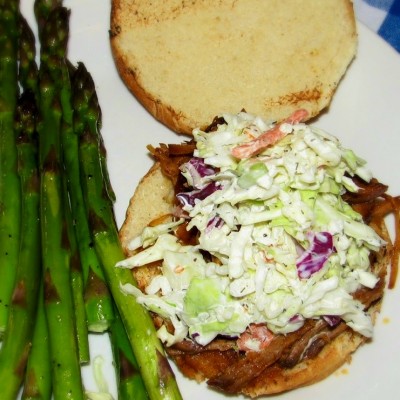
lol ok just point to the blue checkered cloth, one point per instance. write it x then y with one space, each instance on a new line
382 16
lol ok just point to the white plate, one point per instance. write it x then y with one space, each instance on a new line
365 115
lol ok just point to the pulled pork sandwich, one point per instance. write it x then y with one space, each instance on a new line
261 251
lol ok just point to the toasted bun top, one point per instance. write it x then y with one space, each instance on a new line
187 61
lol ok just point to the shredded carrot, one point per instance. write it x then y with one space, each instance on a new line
267 138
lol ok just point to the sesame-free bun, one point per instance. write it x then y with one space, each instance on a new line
187 61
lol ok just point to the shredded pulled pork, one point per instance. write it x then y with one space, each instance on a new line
171 157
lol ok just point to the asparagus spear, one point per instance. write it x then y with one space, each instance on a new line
92 116
42 9
17 339
129 381
66 374
37 382
76 279
77 283
157 375
98 302
58 52
16 345
28 69
10 192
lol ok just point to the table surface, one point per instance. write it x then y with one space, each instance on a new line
383 17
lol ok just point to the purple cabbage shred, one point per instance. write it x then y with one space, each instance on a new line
215 222
332 320
198 169
314 258
189 198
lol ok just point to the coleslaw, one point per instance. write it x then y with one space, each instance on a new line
282 245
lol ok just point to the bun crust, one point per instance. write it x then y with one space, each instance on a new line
187 61
153 199
147 204
308 372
